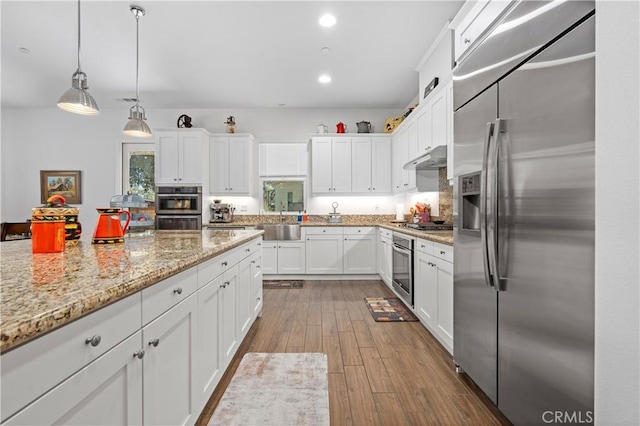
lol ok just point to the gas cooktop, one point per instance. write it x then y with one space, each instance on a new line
428 226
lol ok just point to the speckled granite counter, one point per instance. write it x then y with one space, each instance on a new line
40 292
385 221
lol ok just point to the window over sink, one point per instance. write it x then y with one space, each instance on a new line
282 194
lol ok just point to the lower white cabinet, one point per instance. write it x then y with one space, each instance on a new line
229 332
433 289
169 379
244 311
284 257
108 391
359 250
256 285
324 250
385 255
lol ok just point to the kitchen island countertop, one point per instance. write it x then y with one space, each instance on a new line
40 292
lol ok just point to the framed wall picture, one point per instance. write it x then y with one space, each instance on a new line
66 183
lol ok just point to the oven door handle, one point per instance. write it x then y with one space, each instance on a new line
401 249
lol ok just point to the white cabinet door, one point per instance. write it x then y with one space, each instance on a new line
269 257
324 254
449 90
426 289
283 159
388 258
341 165
243 297
359 254
218 165
321 177
190 158
445 303
256 285
399 158
380 165
209 369
361 165
291 257
412 143
170 384
166 163
239 165
438 107
230 164
424 129
228 316
108 391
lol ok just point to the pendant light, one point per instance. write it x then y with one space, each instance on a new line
77 99
136 125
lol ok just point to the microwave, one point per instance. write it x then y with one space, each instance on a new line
178 200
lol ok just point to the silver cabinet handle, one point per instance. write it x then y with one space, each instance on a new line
154 342
139 354
421 245
224 263
259 244
258 299
230 189
257 266
177 290
253 261
442 252
247 249
226 283
223 285
93 340
467 41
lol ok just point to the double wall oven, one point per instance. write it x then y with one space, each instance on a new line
402 267
179 207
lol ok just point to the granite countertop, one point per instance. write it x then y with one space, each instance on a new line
40 292
384 221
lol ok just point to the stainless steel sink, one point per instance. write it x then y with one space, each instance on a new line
280 231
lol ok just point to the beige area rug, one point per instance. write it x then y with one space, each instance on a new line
276 389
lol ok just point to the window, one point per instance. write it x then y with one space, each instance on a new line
283 195
138 169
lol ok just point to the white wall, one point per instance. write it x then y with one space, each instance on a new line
617 347
51 139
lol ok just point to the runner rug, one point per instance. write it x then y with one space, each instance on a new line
271 284
276 389
388 309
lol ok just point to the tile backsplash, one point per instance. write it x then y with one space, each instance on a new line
446 197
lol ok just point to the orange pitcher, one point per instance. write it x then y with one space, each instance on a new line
109 230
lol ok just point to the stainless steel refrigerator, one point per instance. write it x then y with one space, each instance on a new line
524 203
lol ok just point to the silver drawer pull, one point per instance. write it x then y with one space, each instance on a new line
226 283
224 263
154 342
442 252
223 285
93 340
177 291
422 246
139 354
247 249
467 41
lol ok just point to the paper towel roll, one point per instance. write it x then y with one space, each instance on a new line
399 211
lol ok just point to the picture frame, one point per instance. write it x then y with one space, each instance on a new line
67 183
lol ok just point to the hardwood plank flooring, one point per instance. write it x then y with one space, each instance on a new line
379 373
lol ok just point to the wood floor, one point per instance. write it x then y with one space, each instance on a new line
379 373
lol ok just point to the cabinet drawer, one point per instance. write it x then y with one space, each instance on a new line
162 296
424 246
385 233
212 268
359 230
324 230
27 371
443 252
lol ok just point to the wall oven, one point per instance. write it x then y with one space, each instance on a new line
179 207
402 267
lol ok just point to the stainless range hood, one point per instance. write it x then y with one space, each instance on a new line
434 159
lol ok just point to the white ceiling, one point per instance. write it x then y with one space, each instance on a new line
214 54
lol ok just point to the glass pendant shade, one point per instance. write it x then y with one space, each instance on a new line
136 126
77 99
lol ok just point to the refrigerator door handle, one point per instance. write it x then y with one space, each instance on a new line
492 237
483 206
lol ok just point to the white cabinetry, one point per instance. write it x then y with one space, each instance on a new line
433 289
371 165
432 122
256 285
473 19
284 257
178 158
385 255
450 115
230 164
283 159
330 165
359 251
324 250
402 180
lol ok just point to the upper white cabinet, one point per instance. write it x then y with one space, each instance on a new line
472 20
371 165
331 165
450 115
402 180
230 164
432 122
283 159
178 158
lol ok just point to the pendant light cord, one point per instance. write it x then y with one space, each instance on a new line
79 68
137 54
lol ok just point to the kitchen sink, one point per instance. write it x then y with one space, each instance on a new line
280 231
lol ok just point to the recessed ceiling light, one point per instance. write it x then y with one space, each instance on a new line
325 50
327 20
24 50
281 105
324 78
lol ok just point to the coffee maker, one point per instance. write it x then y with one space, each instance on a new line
221 213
